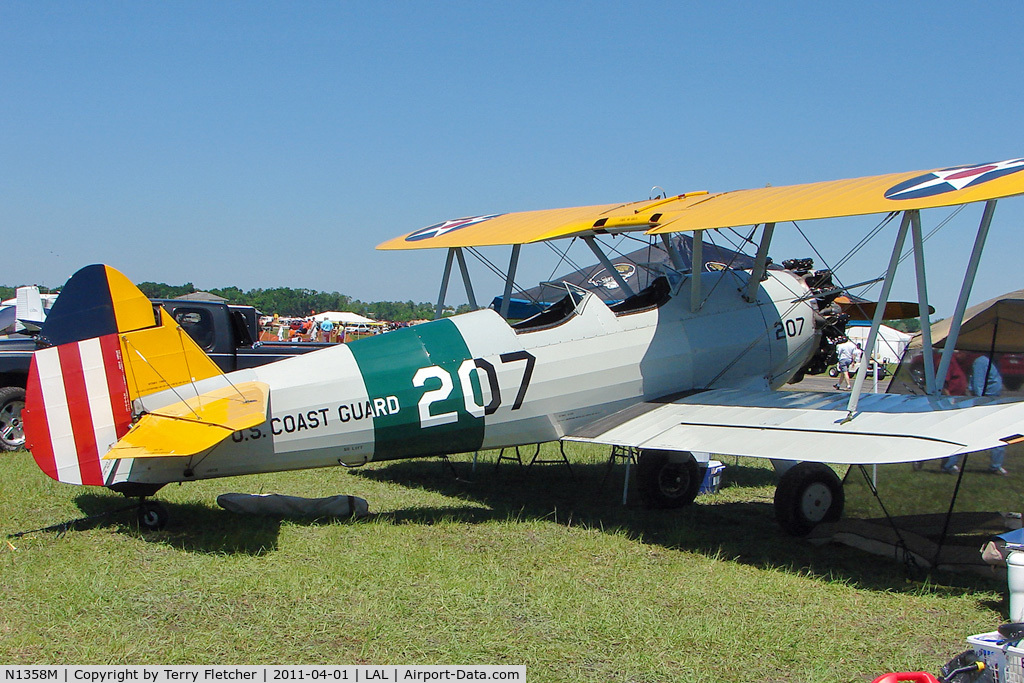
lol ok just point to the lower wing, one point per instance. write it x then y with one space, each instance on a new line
813 426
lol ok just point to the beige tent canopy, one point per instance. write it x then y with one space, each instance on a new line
998 321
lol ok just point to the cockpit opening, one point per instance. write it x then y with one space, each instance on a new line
554 315
649 298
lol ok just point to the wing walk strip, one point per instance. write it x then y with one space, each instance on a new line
84 408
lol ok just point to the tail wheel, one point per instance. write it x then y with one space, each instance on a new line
808 494
153 516
12 429
668 479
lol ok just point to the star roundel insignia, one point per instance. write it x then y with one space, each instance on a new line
952 179
447 226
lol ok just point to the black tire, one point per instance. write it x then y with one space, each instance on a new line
833 371
12 429
152 516
668 479
808 494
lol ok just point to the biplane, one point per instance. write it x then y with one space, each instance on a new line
687 366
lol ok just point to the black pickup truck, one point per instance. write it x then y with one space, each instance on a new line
228 334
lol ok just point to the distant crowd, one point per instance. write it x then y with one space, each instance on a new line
274 328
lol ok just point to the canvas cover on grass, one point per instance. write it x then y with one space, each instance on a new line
277 505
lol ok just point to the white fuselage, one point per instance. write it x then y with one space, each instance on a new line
473 382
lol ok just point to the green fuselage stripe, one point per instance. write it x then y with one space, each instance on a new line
389 364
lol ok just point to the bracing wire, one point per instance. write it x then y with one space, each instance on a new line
497 271
128 342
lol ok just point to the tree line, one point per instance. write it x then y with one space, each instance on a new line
11 292
288 302
297 303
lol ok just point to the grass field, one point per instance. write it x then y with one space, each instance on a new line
501 566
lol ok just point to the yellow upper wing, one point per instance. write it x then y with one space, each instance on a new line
703 211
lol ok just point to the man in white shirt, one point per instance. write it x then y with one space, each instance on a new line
847 352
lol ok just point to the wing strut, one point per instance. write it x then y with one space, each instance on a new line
606 262
465 278
454 252
510 276
922 299
934 382
444 283
760 263
696 269
965 292
876 322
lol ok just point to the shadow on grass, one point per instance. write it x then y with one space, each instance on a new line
195 527
744 532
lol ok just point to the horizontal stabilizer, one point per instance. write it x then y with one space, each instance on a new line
806 426
196 424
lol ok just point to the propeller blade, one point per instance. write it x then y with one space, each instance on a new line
894 310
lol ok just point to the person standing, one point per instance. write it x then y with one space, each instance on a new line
986 380
847 352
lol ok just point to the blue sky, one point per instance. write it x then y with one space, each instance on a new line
275 144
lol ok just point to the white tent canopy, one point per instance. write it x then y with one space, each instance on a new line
343 318
889 346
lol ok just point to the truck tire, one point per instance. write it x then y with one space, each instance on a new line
12 432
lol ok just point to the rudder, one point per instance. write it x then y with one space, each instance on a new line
108 345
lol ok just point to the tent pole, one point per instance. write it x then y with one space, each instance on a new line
922 303
876 321
510 277
444 283
965 291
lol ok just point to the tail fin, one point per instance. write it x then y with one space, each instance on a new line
29 307
108 345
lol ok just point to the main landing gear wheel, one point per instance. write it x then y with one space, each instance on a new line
152 515
668 479
808 494
12 430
